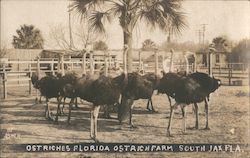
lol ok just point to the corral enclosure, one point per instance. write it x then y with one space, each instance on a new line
22 121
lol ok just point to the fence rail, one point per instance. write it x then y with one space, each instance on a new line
20 73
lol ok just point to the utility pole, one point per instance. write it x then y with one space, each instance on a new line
169 35
203 33
199 32
70 31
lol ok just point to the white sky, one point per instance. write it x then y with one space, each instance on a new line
230 18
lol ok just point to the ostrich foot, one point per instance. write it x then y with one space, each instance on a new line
75 108
106 116
206 128
95 139
154 111
168 134
36 101
132 126
68 122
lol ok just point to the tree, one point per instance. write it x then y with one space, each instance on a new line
3 52
28 37
162 13
100 45
221 44
183 46
148 45
240 53
82 36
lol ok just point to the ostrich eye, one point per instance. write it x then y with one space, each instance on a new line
219 82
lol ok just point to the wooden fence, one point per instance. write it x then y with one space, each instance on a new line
21 71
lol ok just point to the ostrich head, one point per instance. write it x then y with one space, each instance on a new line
217 84
35 80
124 108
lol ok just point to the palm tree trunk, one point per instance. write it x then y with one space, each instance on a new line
128 41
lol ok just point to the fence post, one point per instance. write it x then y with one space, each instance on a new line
156 62
140 63
62 63
38 74
30 84
18 69
171 60
38 68
229 73
106 64
4 82
91 62
84 62
52 67
71 63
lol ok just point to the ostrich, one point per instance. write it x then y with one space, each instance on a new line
67 90
154 79
193 88
35 83
100 92
54 87
138 87
49 87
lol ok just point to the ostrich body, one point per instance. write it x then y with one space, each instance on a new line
100 92
151 77
193 88
49 87
138 87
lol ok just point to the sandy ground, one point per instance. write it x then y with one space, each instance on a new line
22 121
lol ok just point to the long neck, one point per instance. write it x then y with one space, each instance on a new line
125 62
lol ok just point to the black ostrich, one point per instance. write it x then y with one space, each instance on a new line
66 90
192 89
54 87
154 79
35 83
49 87
167 84
100 92
138 87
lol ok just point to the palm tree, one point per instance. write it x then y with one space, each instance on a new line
221 44
28 37
148 44
165 14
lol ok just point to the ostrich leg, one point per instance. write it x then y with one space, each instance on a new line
196 109
70 107
148 105
93 122
151 107
170 118
169 99
58 112
62 109
47 110
130 103
76 104
184 115
206 110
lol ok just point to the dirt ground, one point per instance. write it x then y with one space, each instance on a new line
22 121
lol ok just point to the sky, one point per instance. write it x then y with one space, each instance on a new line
228 18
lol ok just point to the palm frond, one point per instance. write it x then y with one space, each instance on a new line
163 13
81 7
116 9
178 23
97 20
